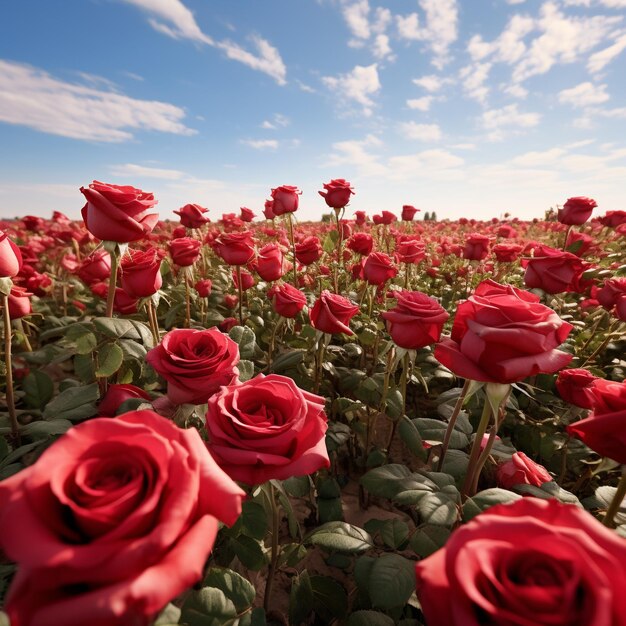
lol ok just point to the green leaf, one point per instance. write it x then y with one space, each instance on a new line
428 539
300 598
391 581
369 618
38 388
287 361
249 552
409 433
74 404
455 463
132 349
329 510
439 509
207 607
434 431
341 537
330 241
244 337
42 428
330 599
84 367
169 616
385 481
110 359
486 499
119 328
548 491
86 344
246 370
394 533
236 588
253 520
297 486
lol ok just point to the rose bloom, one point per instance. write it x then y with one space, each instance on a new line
576 211
506 252
608 396
408 212
95 267
521 470
309 250
416 320
116 395
361 243
337 193
360 218
268 210
114 520
578 243
576 387
379 268
410 250
287 300
534 562
246 214
235 248
10 257
613 219
267 428
203 287
140 272
19 302
507 231
612 290
247 280
192 215
476 247
185 251
286 198
118 213
502 335
124 303
195 363
332 313
553 271
386 217
270 262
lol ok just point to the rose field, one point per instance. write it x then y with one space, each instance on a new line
368 420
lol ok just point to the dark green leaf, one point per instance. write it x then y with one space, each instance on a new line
395 533
38 388
110 359
207 607
235 587
330 599
341 537
391 581
428 539
249 552
119 328
300 598
369 618
74 404
486 499
245 339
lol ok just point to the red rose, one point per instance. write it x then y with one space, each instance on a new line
410 250
332 313
140 272
578 243
114 520
576 387
287 300
192 215
476 247
185 251
235 248
268 210
308 250
361 243
613 219
270 264
247 280
360 218
576 211
379 268
386 217
416 320
10 257
337 193
124 303
95 267
608 396
612 290
38 283
506 252
195 363
286 199
521 470
118 212
507 232
502 335
246 214
230 302
620 308
408 212
267 428
19 302
553 271
116 395
203 287
534 562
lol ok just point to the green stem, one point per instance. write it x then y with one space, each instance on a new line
152 319
475 453
609 335
112 281
320 363
293 249
240 288
187 300
403 385
274 548
617 500
270 348
455 414
15 433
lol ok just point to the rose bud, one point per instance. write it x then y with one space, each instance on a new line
140 272
124 303
521 470
246 214
100 289
228 323
553 271
286 198
270 262
19 302
235 248
578 243
287 300
360 218
185 251
408 212
10 257
379 268
337 193
309 250
332 313
476 247
203 287
95 267
118 213
268 210
613 219
231 301
247 280
576 387
610 292
416 320
116 395
192 216
179 232
361 243
507 232
576 211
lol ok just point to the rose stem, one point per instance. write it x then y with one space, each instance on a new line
270 347
154 327
403 381
293 249
274 554
592 331
240 288
336 271
15 433
112 280
187 300
24 335
320 363
475 453
407 271
455 414
617 500
612 328
388 372
567 232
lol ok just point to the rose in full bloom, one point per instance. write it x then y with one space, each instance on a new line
379 268
611 292
521 470
502 335
140 272
332 313
286 199
613 219
576 387
534 562
246 214
118 212
337 193
361 243
409 249
270 262
476 247
195 363
553 271
506 252
416 320
95 267
408 212
309 250
576 211
116 395
235 248
184 251
114 520
192 216
10 257
267 428
287 300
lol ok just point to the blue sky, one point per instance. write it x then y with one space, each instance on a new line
466 107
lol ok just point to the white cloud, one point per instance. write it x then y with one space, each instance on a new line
441 28
358 85
539 158
381 48
474 78
261 144
278 121
304 87
421 132
32 97
356 153
584 95
508 117
431 83
599 60
356 16
609 4
515 1
433 164
517 91
420 104
174 19
132 170
408 27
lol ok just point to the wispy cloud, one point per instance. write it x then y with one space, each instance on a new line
132 170
584 95
277 121
359 86
428 133
420 104
31 97
261 144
